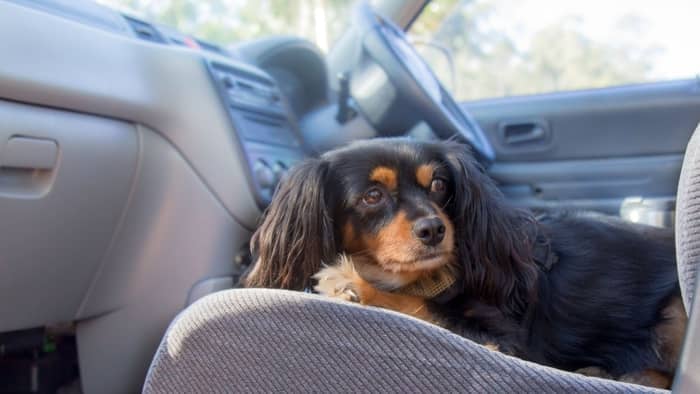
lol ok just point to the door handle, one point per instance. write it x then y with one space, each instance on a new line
29 154
520 133
27 167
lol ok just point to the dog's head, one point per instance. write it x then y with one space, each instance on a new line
393 209
407 207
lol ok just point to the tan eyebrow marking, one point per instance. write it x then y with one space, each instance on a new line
424 174
384 175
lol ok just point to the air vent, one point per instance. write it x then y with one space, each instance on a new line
249 91
251 78
207 46
144 30
183 41
177 42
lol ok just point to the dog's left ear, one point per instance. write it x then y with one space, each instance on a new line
492 238
297 232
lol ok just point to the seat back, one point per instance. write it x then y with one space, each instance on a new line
688 260
255 340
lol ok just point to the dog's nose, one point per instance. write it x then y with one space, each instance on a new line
429 230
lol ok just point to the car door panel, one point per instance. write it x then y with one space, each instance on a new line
590 149
596 184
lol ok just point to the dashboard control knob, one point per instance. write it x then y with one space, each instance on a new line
264 174
227 81
279 169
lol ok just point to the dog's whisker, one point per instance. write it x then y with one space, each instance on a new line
447 203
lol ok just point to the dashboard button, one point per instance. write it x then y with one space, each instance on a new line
279 169
227 81
264 174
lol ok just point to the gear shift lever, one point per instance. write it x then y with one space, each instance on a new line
345 110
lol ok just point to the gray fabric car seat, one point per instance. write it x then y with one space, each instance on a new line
688 220
688 260
254 340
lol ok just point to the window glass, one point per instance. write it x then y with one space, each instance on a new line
503 47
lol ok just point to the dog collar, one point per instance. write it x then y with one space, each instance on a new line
431 286
440 286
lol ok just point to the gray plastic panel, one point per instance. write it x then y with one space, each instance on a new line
599 146
83 11
29 153
173 235
624 121
54 234
322 131
64 64
598 184
209 286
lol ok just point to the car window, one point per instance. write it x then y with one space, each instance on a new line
226 22
503 47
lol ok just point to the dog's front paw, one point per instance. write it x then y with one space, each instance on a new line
338 281
595 372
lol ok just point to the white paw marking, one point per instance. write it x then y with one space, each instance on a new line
338 281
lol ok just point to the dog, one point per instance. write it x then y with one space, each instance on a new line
420 228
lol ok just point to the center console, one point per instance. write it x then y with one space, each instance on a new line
263 124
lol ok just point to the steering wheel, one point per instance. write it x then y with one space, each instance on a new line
395 88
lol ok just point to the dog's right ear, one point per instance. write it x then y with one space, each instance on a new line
297 232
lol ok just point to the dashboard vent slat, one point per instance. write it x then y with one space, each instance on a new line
207 46
145 30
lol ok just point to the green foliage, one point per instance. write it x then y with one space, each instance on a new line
494 63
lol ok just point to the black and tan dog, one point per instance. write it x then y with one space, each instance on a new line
421 229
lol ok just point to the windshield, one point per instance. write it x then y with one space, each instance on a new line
226 22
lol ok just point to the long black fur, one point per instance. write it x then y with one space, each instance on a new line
297 234
599 304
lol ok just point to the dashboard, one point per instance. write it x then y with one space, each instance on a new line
296 65
266 86
262 121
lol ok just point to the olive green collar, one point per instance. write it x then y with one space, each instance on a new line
432 285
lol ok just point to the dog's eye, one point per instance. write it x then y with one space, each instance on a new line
373 196
438 186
